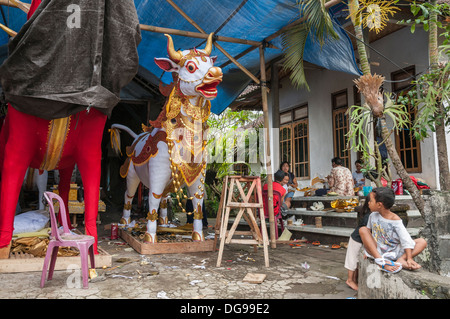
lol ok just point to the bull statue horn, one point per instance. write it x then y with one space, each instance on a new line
209 43
175 56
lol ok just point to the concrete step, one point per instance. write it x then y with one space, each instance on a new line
345 219
316 213
329 234
301 201
336 231
304 212
337 227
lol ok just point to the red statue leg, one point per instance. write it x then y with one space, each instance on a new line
3 139
65 176
17 156
88 160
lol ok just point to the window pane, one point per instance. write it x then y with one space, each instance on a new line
301 113
407 138
415 158
299 145
408 158
285 118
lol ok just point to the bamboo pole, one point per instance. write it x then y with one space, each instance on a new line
240 55
10 32
200 35
218 38
273 242
25 7
240 66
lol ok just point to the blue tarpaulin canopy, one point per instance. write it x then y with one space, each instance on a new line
244 19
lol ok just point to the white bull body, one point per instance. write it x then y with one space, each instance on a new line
171 153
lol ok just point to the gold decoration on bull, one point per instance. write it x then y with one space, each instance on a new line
187 130
127 206
153 215
347 205
193 54
178 179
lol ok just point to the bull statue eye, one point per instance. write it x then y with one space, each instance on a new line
191 67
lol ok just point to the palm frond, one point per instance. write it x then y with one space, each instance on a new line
294 40
318 20
314 21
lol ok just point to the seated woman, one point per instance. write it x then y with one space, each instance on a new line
279 192
291 185
280 178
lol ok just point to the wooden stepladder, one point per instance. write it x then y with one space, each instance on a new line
248 204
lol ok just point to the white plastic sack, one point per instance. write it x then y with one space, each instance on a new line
30 222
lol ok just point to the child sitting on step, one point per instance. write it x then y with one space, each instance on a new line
385 238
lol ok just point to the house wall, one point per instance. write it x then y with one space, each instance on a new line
401 47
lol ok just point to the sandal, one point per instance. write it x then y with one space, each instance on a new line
383 262
316 243
335 246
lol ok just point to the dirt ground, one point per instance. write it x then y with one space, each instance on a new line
304 272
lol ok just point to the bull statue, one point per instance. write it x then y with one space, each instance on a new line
60 99
171 153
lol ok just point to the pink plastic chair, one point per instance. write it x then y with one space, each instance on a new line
84 243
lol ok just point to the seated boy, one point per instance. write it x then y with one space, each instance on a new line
385 238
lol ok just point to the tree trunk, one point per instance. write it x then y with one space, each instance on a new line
441 141
363 60
401 171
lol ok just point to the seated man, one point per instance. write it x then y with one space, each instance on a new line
340 180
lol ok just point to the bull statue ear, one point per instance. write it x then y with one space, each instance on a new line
214 58
167 65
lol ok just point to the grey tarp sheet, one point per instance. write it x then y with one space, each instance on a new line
56 69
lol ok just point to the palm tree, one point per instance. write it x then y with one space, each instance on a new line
317 22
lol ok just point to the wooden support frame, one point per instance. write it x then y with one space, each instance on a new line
25 7
243 203
10 32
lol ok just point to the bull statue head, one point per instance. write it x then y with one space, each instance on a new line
196 73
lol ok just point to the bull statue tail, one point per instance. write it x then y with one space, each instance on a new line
115 136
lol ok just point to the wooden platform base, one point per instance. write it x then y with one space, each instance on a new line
173 247
26 263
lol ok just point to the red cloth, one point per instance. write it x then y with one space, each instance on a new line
34 5
419 186
23 140
278 193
